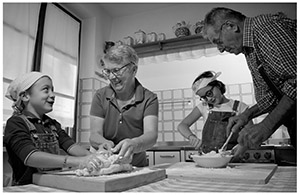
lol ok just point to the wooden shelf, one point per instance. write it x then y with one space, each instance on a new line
157 47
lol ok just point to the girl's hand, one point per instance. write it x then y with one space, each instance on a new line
194 141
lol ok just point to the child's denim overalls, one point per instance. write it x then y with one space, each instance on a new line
214 130
46 142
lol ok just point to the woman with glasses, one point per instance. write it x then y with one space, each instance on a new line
216 109
124 114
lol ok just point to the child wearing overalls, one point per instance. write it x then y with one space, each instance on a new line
32 139
216 109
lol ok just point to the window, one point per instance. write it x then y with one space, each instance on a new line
59 58
19 31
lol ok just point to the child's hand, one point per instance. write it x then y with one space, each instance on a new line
194 141
91 162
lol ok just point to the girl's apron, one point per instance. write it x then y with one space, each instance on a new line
45 142
214 130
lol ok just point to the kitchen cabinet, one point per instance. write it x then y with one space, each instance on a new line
188 154
161 157
150 158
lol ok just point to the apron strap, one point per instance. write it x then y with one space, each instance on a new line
28 123
235 105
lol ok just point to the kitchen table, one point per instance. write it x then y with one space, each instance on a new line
283 180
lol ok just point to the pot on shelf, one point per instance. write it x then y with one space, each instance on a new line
181 29
161 36
128 40
151 37
140 37
198 27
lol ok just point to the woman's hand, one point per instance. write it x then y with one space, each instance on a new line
126 148
106 147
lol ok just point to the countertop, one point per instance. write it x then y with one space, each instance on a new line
169 146
185 145
283 180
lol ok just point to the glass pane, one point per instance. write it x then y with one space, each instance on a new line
19 29
62 71
61 31
7 103
60 60
63 111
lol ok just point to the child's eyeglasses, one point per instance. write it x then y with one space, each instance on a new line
208 94
116 71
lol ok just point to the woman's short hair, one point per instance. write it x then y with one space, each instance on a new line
121 54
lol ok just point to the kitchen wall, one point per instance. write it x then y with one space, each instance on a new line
179 74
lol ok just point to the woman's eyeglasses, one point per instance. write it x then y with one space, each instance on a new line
208 94
115 71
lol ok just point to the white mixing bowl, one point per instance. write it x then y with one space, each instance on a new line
212 161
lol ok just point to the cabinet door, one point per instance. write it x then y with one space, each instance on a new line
150 158
167 157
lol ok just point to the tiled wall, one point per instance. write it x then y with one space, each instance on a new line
87 89
174 105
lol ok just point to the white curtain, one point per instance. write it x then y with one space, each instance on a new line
180 55
60 61
19 30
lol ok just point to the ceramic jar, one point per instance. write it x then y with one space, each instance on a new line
181 29
140 37
198 27
128 40
161 36
119 43
151 37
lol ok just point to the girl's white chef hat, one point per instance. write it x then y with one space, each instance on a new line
203 82
21 84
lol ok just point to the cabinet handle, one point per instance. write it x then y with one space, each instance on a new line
167 156
190 156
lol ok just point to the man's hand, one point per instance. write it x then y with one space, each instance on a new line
238 151
125 147
236 123
253 136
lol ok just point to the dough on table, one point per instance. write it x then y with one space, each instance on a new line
109 165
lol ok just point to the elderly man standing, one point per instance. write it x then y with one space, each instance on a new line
269 44
124 115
